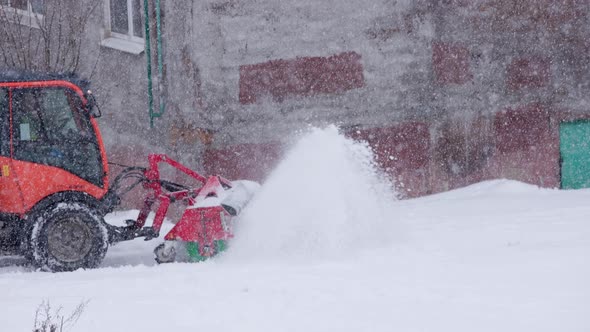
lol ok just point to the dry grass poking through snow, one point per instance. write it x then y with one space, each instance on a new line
48 319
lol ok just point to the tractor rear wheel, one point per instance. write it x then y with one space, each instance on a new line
66 237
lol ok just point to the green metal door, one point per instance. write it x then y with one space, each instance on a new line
575 154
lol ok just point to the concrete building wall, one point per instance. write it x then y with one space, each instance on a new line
454 91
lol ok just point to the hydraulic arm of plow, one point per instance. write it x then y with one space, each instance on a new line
159 192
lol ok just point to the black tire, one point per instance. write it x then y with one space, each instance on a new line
67 237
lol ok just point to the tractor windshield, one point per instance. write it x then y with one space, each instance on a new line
50 128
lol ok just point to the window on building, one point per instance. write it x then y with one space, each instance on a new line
26 6
124 29
28 11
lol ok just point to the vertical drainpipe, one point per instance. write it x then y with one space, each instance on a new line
148 55
148 52
160 58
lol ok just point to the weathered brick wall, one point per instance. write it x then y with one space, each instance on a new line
452 92
448 92
511 64
286 66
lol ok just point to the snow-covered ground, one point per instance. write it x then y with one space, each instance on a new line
324 247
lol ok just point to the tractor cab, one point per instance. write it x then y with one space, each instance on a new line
49 141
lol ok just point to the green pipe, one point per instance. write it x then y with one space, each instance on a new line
160 61
148 54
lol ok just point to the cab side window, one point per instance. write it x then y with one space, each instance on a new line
28 131
4 123
59 115
50 128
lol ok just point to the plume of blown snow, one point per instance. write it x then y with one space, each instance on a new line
325 199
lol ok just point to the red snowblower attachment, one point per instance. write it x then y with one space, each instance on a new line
206 223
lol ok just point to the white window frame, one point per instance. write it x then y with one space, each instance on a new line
26 17
123 42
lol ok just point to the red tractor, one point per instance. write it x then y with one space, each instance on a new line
55 184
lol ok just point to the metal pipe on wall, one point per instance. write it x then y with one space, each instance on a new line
160 61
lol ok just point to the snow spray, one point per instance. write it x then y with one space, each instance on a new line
326 198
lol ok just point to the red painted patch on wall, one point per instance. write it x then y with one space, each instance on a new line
402 151
532 15
528 73
305 76
451 63
521 128
527 148
245 161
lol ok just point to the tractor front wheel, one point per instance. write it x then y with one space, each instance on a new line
67 237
